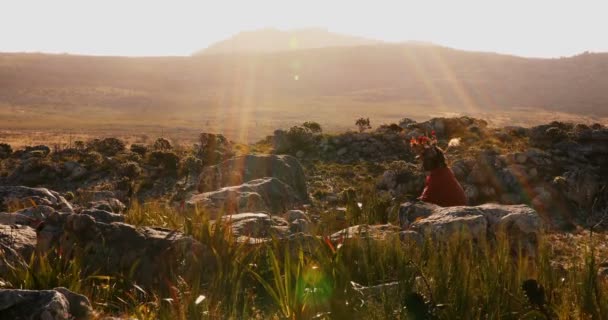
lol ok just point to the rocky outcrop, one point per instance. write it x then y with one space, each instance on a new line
269 195
56 304
239 170
20 197
520 223
147 254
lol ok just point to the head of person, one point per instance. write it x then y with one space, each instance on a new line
427 151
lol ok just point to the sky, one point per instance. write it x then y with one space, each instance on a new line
532 28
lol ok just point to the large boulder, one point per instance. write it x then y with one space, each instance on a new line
262 195
20 197
147 254
520 223
57 304
239 170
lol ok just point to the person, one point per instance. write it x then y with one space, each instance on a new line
441 187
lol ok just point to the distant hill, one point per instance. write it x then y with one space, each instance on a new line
275 40
261 91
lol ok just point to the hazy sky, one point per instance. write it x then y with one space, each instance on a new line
541 28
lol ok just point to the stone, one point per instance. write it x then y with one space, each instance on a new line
263 195
56 304
239 170
521 158
148 254
581 186
110 204
342 151
520 223
17 243
256 225
293 215
104 216
376 232
19 196
300 154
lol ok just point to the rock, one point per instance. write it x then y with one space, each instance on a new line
521 158
111 205
411 236
520 223
402 178
148 254
74 170
239 170
104 216
410 212
581 186
293 215
471 192
14 196
17 243
342 151
56 304
263 195
377 232
300 154
256 225
299 226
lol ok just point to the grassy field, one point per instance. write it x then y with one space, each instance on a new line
359 278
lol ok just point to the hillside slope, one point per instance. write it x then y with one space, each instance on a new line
275 40
380 81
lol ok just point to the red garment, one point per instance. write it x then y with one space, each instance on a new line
443 189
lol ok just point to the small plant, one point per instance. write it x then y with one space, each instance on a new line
363 124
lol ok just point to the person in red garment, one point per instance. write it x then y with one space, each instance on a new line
441 187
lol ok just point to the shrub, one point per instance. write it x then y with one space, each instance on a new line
139 149
167 160
162 144
193 165
363 124
130 169
213 148
5 150
92 159
107 147
312 126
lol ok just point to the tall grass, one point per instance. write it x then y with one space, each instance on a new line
357 278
